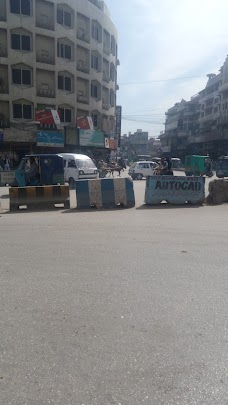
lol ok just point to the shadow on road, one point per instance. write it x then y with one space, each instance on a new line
166 206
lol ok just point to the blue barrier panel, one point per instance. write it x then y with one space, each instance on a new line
105 193
82 194
175 189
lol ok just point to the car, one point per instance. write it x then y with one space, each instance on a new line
141 169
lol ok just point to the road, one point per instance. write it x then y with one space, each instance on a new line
114 307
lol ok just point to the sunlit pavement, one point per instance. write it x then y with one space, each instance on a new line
114 307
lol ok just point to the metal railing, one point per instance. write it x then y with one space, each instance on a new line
49 93
45 59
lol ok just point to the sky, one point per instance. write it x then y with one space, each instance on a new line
166 50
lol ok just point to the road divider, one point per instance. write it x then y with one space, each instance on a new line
105 193
175 189
218 192
39 197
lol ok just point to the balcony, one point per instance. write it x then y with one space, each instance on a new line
183 133
106 77
4 123
4 89
107 49
83 66
105 106
45 24
45 59
83 99
3 52
49 93
223 87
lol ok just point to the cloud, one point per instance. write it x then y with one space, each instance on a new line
167 40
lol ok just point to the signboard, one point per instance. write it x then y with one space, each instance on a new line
1 136
71 136
7 177
50 138
118 123
91 138
174 189
113 144
85 123
49 117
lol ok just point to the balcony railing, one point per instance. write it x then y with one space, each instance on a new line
107 49
3 53
4 123
45 59
83 67
49 93
106 78
83 36
105 106
47 25
83 99
223 87
4 89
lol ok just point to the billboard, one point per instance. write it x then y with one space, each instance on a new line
118 123
87 137
85 123
50 138
49 117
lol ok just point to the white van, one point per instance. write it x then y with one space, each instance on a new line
78 167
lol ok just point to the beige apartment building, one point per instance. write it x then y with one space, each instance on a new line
55 55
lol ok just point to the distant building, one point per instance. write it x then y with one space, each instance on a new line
199 126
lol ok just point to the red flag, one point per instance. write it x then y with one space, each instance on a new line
48 117
85 123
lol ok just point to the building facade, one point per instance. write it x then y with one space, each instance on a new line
200 126
55 55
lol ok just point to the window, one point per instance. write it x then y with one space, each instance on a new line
21 76
71 163
94 91
64 83
95 62
21 42
64 51
22 111
95 120
20 7
65 114
96 32
64 18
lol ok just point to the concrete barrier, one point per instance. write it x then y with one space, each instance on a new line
105 193
218 192
175 189
39 197
7 178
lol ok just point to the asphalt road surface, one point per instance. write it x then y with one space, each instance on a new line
114 307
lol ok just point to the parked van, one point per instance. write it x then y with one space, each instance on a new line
78 167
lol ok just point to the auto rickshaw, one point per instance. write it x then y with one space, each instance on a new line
221 167
196 165
50 171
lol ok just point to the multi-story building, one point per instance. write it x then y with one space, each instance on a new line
181 122
200 126
55 55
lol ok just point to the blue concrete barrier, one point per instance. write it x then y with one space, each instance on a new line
175 189
105 193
